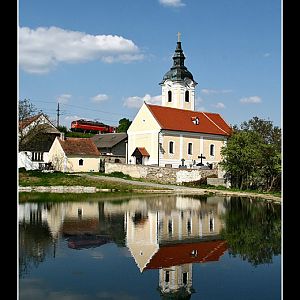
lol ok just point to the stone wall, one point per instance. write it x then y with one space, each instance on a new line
160 174
216 182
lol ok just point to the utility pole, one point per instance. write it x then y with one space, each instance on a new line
57 115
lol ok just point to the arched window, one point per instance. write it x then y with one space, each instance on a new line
169 96
187 96
80 162
171 147
212 150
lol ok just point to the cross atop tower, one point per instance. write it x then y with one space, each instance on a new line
178 36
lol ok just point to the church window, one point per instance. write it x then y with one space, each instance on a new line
80 162
189 226
211 224
167 277
169 96
171 147
184 278
190 148
187 96
170 227
212 150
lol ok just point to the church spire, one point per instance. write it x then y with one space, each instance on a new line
178 72
178 84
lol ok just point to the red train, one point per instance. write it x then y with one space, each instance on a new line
91 127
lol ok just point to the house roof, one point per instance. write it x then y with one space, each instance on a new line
173 255
41 142
141 150
184 120
24 123
108 140
79 146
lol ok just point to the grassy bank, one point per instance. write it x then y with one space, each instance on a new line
38 178
223 188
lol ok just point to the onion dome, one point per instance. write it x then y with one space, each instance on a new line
178 71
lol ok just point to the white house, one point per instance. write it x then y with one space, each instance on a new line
74 155
36 135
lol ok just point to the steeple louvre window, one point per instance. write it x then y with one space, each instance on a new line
169 96
187 96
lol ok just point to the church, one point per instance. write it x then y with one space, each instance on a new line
173 134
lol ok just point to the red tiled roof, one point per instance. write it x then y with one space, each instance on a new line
77 226
27 121
179 254
143 151
79 146
182 120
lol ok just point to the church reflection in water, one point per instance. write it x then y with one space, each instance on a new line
169 234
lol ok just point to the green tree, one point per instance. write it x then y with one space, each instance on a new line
124 125
252 156
63 129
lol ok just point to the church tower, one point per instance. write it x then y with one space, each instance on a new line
178 84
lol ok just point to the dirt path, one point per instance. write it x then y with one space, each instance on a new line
169 188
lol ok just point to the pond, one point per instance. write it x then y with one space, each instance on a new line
150 247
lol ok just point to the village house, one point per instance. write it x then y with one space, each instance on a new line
74 155
173 134
112 146
36 135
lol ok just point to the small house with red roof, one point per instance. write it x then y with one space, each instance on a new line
174 134
74 155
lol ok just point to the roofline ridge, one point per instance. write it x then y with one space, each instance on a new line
215 123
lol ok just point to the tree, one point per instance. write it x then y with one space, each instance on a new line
32 125
123 125
26 110
252 156
63 129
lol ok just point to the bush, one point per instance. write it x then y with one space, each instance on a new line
119 175
22 170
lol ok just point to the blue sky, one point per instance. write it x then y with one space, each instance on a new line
101 59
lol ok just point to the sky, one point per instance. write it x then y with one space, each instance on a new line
100 60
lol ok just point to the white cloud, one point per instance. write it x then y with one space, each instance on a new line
212 91
99 98
267 54
64 98
172 3
252 99
137 102
41 49
219 105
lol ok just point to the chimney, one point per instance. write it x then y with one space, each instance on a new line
62 136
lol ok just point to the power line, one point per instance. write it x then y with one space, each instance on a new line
85 108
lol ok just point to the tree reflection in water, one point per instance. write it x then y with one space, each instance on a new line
35 242
252 229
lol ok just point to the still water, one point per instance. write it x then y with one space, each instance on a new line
163 247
